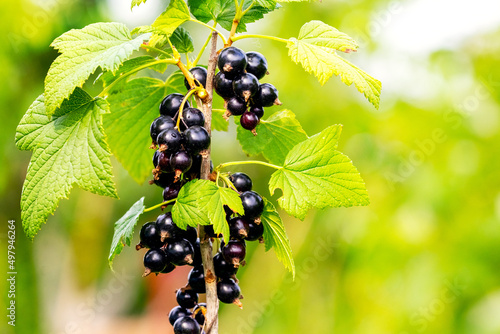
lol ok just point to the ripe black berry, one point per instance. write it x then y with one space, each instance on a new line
180 252
234 252
167 228
245 86
192 117
164 180
171 191
160 124
249 120
197 253
228 291
154 261
181 161
223 269
267 96
256 64
199 313
169 140
190 234
200 74
236 106
186 298
238 228
171 104
252 203
223 86
178 312
255 231
150 236
232 61
196 139
241 182
259 111
209 231
196 279
186 325
162 161
168 268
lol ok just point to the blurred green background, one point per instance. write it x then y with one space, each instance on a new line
422 258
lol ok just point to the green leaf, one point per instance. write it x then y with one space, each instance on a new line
218 122
175 83
316 175
124 230
276 136
176 14
137 3
68 148
315 49
182 40
275 236
104 45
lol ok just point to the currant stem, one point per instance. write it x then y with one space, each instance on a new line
237 38
160 205
152 48
183 103
247 162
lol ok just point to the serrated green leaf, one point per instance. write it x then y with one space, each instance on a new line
315 49
269 4
275 236
68 148
276 136
137 3
124 230
105 45
316 175
218 122
176 14
182 40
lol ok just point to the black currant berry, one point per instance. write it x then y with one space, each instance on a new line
178 312
196 139
241 182
252 203
150 236
192 117
228 291
236 106
154 261
169 140
245 86
160 124
232 61
194 171
190 234
197 253
209 231
181 161
171 191
200 74
255 231
167 228
223 86
199 312
163 161
256 64
180 252
171 104
223 269
234 252
267 96
186 298
259 111
186 325
238 228
164 180
168 268
249 120
196 279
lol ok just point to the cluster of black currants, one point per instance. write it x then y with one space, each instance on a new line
238 83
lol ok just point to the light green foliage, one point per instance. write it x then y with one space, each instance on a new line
218 122
316 175
105 45
315 49
182 40
124 229
137 3
269 4
186 210
68 148
276 136
275 236
176 14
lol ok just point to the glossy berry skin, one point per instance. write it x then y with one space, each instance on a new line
196 279
180 252
196 139
255 231
252 203
186 325
181 161
234 252
178 312
228 291
164 180
198 313
232 61
160 124
223 269
168 268
200 74
238 228
150 236
256 64
171 104
192 117
223 86
241 182
186 298
167 228
249 120
155 260
163 162
236 106
171 191
267 96
169 140
190 234
245 86
197 260
259 111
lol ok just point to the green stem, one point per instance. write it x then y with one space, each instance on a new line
236 38
184 100
203 48
246 10
211 28
248 162
228 182
160 205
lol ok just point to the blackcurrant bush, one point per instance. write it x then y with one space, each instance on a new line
256 64
223 86
171 191
236 106
169 140
228 291
232 61
255 231
154 261
241 182
199 312
238 228
192 117
234 252
181 161
249 120
160 124
171 104
167 228
196 139
180 252
150 236
267 96
252 203
245 86
178 312
223 269
186 298
196 279
257 110
186 325
200 74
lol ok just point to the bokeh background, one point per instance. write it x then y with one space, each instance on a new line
422 258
